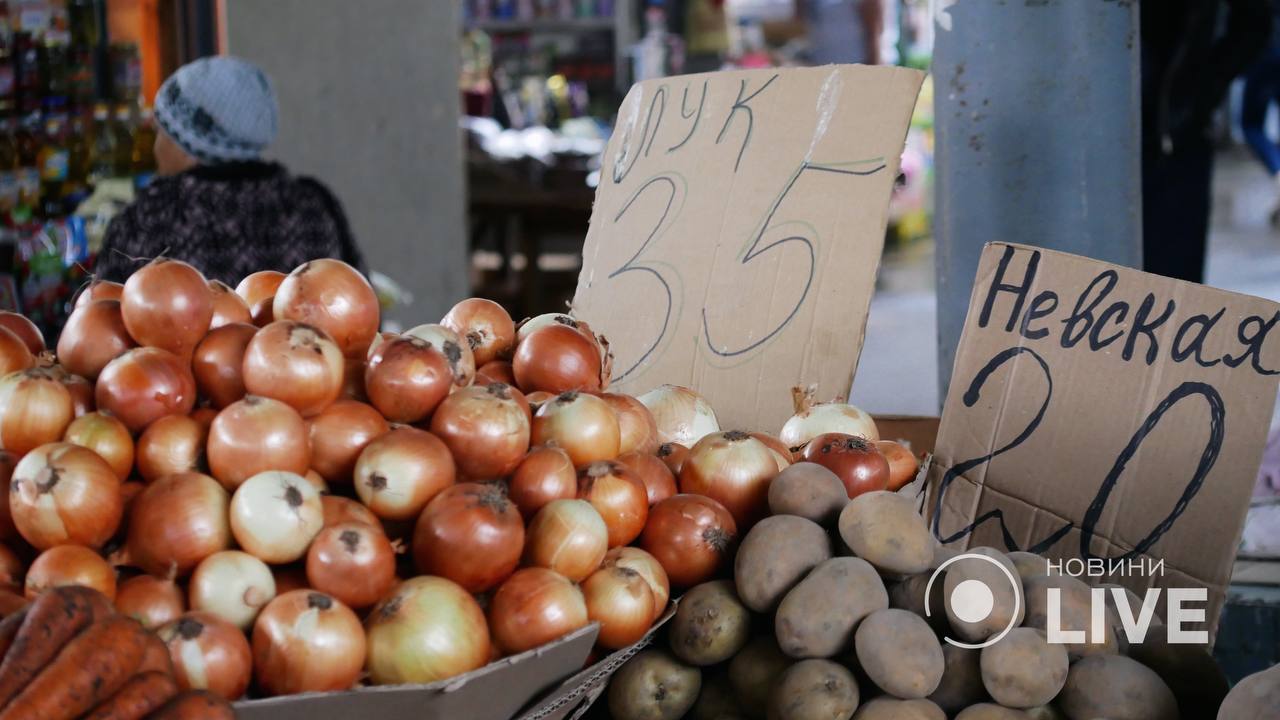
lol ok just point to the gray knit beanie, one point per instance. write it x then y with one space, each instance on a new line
218 109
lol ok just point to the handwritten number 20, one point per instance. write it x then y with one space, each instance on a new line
1208 457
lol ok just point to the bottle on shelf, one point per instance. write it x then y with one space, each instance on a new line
144 155
7 77
78 150
102 149
8 168
27 138
27 83
54 160
122 129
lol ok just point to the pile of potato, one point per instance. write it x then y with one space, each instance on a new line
825 620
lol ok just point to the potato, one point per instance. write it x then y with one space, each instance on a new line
1029 565
710 624
1117 688
754 672
1190 671
810 491
817 618
961 684
717 700
987 711
887 708
941 554
1253 697
909 595
900 653
814 690
975 573
1076 605
653 686
775 555
1023 670
884 529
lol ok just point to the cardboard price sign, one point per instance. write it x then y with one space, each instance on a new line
1105 414
737 231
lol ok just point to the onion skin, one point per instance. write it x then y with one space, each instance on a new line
35 408
533 607
681 415
106 436
400 472
781 452
338 436
673 455
14 354
496 371
233 585
856 461
410 381
333 296
64 565
64 494
649 568
546 474
457 351
691 536
659 482
228 307
733 469
94 336
307 641
255 435
339 510
145 384
485 326
584 425
619 496
81 393
297 364
24 329
620 600
7 462
149 600
275 515
167 305
259 286
557 359
486 429
812 420
353 562
98 290
567 536
638 432
218 363
470 534
177 522
429 629
170 445
902 464
208 653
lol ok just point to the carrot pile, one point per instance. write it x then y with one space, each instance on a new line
69 655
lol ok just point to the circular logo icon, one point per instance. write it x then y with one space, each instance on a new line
972 601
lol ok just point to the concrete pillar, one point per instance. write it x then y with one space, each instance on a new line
1038 114
369 104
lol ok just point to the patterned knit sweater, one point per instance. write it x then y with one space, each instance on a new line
229 220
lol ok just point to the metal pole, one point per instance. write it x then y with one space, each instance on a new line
1038 117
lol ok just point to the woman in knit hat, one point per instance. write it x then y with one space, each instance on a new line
215 203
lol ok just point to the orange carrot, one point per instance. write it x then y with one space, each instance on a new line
11 602
143 694
53 619
155 656
90 669
195 705
9 629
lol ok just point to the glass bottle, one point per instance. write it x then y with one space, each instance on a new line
144 155
54 161
102 153
28 141
78 150
8 167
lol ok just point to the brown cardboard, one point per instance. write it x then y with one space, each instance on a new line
496 691
737 231
918 433
1053 447
575 696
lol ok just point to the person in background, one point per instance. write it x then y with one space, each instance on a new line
1261 90
1191 51
850 31
215 203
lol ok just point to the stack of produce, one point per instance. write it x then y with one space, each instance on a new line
294 501
826 619
70 654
